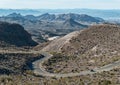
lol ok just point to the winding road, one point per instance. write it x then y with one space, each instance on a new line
39 70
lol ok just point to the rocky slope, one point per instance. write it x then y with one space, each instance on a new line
57 44
14 34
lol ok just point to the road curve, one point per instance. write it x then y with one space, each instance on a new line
39 70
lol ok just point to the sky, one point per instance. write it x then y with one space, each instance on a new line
59 4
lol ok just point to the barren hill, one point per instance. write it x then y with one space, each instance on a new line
96 40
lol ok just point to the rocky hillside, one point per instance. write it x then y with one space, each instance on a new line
96 40
14 34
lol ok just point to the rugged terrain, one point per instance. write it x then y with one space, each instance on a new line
98 39
47 25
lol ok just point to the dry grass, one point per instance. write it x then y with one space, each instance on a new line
105 78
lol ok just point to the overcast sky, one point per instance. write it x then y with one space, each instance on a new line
60 4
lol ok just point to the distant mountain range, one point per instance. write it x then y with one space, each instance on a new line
48 25
62 17
106 14
57 17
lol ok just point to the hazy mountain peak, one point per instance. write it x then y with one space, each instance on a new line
14 15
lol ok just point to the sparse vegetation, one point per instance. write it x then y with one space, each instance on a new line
94 47
11 63
105 78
